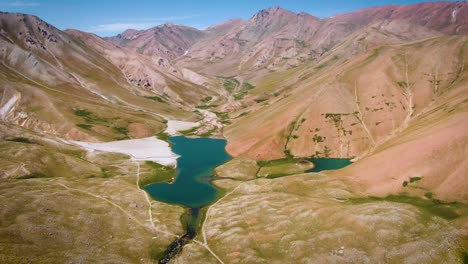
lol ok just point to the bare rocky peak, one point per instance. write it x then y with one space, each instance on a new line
271 13
28 31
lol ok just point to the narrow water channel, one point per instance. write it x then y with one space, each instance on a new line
191 187
321 164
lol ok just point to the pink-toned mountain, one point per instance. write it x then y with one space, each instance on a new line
168 41
276 39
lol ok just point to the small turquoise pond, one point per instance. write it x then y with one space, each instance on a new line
322 164
198 158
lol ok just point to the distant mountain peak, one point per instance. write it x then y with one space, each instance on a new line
270 13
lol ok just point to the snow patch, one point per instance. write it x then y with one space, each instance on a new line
173 126
149 148
9 106
454 16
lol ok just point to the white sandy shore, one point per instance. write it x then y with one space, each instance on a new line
173 126
149 148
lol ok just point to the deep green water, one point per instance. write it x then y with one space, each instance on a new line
322 164
198 158
191 188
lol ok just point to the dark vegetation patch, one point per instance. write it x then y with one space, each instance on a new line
85 126
156 98
163 136
83 113
411 180
321 66
206 106
206 99
259 100
21 140
121 130
116 124
34 175
415 179
189 132
465 257
209 132
91 118
230 84
287 153
248 86
223 117
159 173
318 139
106 173
446 210
271 163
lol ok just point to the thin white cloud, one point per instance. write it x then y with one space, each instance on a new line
21 4
137 23
159 19
120 27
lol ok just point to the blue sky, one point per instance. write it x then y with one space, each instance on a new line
110 17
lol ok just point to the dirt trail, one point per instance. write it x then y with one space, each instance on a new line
117 206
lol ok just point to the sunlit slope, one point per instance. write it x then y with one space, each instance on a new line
58 198
153 75
275 39
47 76
315 218
345 107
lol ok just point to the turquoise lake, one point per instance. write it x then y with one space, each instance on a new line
198 158
322 164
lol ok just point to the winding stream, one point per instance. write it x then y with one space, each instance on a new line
191 187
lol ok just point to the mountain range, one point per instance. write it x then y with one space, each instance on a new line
384 86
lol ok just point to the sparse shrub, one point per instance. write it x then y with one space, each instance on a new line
318 139
415 179
402 84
